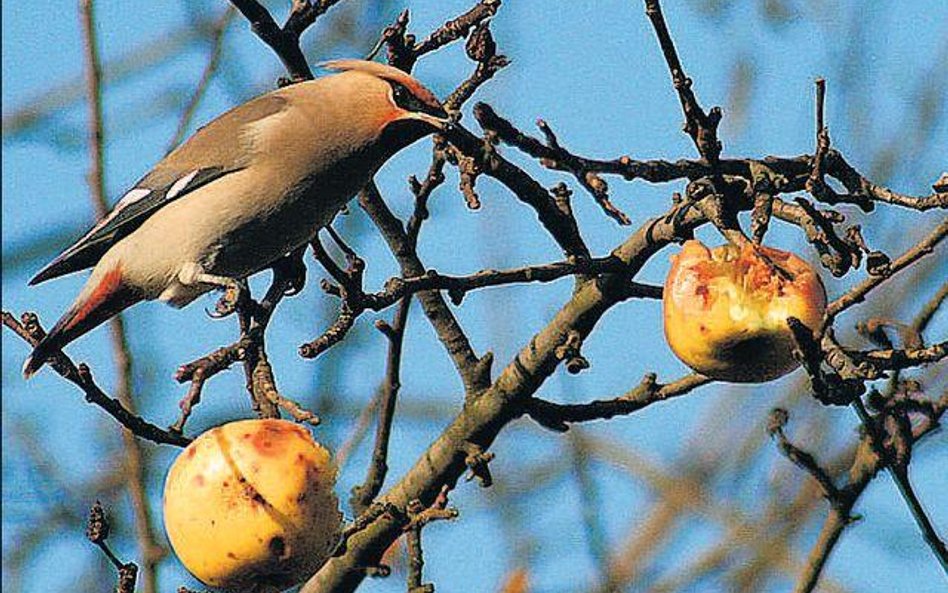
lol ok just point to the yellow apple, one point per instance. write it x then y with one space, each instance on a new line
249 506
726 309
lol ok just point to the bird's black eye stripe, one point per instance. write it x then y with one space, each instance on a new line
407 100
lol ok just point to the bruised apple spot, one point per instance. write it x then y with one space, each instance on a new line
726 309
278 547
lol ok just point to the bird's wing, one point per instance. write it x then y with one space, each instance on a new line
128 214
219 148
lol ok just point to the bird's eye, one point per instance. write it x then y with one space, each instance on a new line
403 98
408 101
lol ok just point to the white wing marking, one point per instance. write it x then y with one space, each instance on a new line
180 185
129 198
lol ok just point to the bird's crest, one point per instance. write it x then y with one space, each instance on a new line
385 72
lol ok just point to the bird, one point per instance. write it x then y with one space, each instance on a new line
245 190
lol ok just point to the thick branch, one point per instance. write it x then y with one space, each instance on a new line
484 416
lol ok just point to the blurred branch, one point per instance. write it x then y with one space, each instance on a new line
52 100
210 69
866 465
149 549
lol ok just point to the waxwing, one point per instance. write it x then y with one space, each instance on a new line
248 188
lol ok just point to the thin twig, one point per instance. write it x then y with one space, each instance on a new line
701 126
899 473
858 293
364 494
30 331
458 286
443 320
558 416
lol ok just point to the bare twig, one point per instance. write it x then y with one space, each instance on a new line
858 293
701 126
445 324
97 531
364 494
283 41
558 416
81 376
552 155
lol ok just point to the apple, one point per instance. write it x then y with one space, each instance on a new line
726 309
249 506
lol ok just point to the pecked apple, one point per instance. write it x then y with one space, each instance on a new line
726 309
249 506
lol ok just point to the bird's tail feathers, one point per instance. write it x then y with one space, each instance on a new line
102 298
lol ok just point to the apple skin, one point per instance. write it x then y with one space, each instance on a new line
726 309
249 506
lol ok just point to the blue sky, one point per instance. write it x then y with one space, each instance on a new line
594 72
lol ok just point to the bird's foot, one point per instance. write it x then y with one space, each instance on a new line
235 296
290 271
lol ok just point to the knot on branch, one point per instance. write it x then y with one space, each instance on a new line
375 511
419 515
477 461
569 351
829 388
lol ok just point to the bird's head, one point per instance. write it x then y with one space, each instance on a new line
399 97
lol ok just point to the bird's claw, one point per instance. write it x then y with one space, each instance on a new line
292 272
296 280
228 303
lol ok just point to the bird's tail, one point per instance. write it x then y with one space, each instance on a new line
103 297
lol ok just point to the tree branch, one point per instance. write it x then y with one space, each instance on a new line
31 332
